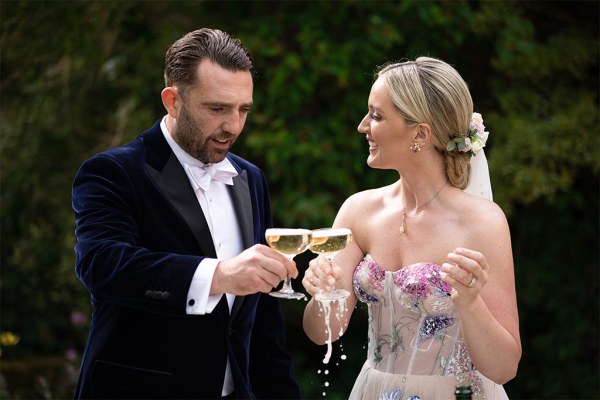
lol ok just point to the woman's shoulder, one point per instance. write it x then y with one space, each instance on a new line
481 214
363 204
368 198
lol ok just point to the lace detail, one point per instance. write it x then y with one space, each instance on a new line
461 366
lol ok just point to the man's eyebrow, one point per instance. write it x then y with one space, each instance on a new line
225 105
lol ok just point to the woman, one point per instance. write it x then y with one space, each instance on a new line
433 262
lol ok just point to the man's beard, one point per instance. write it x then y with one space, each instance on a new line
188 135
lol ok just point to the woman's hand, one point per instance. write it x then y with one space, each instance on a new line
467 273
321 276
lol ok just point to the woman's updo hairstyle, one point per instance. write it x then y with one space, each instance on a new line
430 91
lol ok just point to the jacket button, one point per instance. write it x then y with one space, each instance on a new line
191 302
148 294
164 295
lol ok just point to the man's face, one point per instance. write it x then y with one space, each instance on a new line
213 112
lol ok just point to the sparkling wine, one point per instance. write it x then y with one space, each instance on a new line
288 241
330 241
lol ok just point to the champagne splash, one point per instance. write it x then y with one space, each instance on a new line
326 308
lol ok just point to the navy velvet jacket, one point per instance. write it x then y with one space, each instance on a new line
140 236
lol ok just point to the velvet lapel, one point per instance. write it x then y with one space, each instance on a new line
240 196
175 184
171 179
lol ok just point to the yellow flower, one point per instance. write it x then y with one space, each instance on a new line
9 339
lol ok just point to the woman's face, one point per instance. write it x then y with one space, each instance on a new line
387 132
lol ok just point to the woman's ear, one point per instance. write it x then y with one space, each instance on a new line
423 134
170 100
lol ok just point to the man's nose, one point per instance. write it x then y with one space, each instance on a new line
234 123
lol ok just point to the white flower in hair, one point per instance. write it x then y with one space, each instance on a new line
477 124
473 141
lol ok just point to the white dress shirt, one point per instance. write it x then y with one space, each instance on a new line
220 215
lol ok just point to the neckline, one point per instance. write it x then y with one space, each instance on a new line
413 265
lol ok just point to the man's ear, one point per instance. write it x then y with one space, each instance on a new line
171 101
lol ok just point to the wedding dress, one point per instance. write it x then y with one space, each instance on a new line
416 348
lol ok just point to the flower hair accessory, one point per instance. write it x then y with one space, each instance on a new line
473 141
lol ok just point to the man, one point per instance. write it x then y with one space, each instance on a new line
180 309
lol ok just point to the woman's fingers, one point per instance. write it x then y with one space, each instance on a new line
467 268
319 276
469 257
457 275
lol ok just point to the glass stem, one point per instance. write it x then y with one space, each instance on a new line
287 285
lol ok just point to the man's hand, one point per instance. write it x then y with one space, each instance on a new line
257 269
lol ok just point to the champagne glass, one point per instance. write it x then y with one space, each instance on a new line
328 242
288 242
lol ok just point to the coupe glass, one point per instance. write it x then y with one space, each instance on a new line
328 242
289 242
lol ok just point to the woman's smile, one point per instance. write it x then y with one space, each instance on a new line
372 145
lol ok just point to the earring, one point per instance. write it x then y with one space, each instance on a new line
416 147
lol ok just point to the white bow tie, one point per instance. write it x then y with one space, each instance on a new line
202 176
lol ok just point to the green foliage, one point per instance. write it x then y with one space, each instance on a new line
548 117
80 76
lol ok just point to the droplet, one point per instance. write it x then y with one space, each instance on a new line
326 384
343 357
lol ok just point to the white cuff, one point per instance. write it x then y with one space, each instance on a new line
199 299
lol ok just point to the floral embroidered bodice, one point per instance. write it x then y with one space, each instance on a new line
413 326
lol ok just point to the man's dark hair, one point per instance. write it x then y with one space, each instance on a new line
183 56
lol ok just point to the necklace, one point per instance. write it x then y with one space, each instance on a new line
403 223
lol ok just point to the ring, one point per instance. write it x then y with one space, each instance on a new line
472 282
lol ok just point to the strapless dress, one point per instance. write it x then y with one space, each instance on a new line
415 344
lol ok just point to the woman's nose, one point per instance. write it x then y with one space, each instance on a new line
362 126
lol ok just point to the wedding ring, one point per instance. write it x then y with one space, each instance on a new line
472 282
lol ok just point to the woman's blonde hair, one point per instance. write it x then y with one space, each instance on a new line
428 90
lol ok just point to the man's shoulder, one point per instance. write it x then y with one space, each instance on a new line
132 150
124 153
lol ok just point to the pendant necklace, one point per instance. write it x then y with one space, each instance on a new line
403 223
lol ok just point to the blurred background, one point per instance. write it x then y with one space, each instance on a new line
78 77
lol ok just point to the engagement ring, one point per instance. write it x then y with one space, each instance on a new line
472 282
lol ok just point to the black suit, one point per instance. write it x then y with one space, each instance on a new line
141 234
